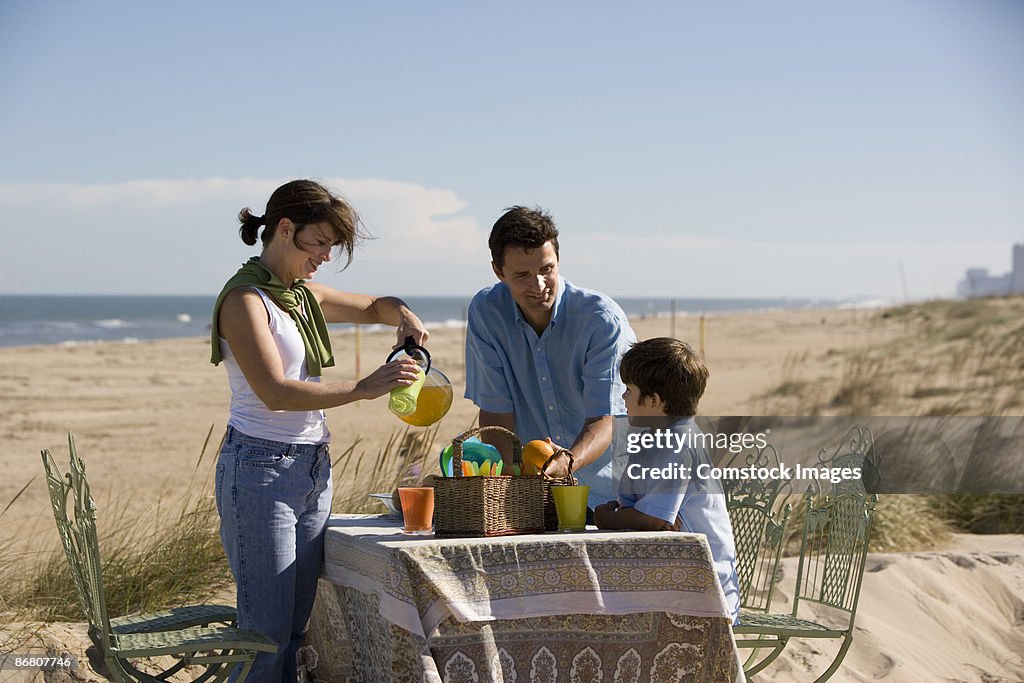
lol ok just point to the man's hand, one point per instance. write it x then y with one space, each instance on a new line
592 441
559 467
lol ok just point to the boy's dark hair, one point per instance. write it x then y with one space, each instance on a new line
669 368
521 227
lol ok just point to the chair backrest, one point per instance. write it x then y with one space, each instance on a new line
758 528
833 551
837 528
78 536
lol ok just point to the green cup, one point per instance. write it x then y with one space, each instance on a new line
571 506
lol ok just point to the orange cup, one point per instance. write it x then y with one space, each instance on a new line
417 510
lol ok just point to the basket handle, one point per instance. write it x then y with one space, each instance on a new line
551 459
517 446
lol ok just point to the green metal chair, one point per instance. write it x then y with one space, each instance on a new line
201 636
833 550
758 529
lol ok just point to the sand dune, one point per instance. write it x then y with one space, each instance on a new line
955 614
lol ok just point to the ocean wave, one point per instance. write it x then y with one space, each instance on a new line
450 323
72 343
113 323
61 325
866 303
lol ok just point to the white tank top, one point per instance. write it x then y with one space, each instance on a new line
249 414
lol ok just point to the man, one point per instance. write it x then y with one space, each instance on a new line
542 355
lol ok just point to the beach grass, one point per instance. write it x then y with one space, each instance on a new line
173 555
167 556
935 359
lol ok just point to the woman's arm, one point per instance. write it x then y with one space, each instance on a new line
347 307
243 323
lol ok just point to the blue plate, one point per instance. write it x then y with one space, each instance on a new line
385 498
473 450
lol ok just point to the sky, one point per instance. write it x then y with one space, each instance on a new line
863 149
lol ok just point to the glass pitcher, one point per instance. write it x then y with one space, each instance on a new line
435 396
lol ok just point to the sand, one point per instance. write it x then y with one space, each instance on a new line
141 412
955 614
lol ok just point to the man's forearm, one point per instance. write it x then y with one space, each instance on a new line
592 442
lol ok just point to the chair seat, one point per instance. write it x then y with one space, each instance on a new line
786 625
190 640
176 618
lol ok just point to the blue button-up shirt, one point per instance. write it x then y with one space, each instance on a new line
555 381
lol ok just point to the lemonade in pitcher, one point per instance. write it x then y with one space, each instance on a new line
429 398
433 402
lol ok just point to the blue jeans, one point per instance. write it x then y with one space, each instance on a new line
274 500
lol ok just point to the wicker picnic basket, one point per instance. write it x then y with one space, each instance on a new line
550 514
487 506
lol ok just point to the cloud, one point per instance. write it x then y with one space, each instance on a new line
151 194
409 217
701 266
180 236
410 222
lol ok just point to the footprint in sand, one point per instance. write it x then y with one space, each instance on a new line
877 565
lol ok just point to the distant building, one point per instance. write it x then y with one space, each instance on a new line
977 281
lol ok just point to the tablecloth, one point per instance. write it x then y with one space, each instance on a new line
593 606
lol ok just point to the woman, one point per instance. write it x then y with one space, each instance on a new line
273 475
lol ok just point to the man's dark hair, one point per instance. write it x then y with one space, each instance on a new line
521 227
669 368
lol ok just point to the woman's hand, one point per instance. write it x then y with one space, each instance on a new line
410 326
397 373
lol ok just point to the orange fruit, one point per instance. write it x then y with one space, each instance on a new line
536 453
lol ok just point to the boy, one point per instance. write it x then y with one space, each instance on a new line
664 380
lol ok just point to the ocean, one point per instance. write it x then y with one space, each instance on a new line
82 319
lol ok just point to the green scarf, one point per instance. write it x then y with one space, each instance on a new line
296 300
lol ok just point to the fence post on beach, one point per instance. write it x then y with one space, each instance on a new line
672 328
358 341
703 333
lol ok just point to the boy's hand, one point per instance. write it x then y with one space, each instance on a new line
602 513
